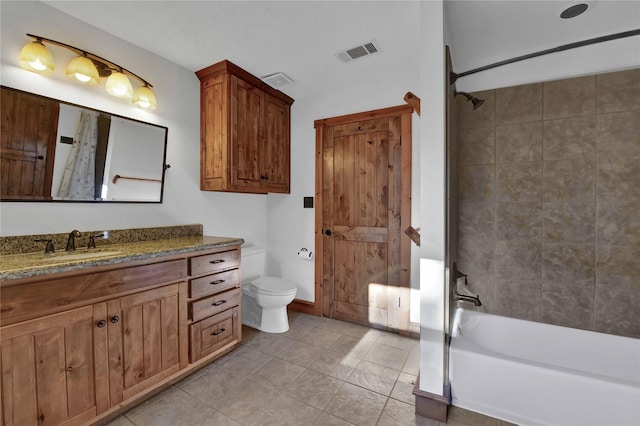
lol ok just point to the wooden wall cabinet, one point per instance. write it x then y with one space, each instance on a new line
244 132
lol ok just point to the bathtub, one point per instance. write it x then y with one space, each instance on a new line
537 374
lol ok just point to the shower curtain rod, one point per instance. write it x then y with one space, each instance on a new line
453 76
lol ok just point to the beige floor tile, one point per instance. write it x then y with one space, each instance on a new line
355 346
278 374
387 356
357 405
314 388
177 408
247 402
357 330
211 417
302 353
403 389
269 343
120 421
326 419
398 413
311 320
397 341
320 337
335 364
297 330
248 333
151 401
374 377
412 364
213 384
244 360
335 326
286 411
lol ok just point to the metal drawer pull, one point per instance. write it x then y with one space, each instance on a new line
217 261
221 302
215 333
115 319
217 282
101 323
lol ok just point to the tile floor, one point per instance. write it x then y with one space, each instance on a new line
321 372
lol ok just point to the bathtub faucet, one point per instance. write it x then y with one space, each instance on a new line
473 299
458 274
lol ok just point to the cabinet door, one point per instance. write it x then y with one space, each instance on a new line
275 163
214 146
246 135
48 370
144 340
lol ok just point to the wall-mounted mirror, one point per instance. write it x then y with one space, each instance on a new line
56 151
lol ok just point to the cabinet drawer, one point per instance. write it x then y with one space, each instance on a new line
215 283
215 304
214 262
211 334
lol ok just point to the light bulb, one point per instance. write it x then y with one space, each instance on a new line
83 70
145 98
119 85
35 57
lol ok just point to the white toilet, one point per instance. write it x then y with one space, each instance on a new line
264 299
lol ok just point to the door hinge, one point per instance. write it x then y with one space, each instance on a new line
398 302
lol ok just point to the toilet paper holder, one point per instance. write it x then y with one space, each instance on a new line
305 254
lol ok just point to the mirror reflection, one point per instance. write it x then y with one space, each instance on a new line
56 151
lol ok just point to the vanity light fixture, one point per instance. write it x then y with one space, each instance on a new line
88 68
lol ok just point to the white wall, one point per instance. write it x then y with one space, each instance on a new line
432 192
177 89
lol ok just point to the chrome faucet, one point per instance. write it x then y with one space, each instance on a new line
71 242
473 299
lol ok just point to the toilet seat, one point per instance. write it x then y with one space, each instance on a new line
273 286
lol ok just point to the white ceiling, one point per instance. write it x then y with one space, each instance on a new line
300 38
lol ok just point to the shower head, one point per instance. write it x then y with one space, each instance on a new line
475 101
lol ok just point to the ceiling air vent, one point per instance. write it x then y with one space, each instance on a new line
358 52
277 80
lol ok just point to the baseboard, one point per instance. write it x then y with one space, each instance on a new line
303 306
430 405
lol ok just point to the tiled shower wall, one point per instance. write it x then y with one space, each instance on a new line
549 201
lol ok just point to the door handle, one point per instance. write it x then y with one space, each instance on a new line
327 232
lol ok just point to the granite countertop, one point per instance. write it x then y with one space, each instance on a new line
34 264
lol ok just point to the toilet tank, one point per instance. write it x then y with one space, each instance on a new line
252 263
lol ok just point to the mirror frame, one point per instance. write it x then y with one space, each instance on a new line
165 166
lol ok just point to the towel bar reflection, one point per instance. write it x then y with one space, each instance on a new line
116 177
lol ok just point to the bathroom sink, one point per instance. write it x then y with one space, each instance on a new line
71 256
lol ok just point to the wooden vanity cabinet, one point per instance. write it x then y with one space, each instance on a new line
244 132
215 297
49 370
82 346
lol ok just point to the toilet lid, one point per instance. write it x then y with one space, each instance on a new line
272 285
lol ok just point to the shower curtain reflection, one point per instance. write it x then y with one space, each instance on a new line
78 180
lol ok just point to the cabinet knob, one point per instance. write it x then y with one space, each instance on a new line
218 303
328 232
115 319
101 323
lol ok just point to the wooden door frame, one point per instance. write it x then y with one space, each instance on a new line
405 112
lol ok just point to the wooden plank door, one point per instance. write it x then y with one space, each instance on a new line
27 145
363 206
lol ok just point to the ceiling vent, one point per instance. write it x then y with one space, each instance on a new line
358 52
277 80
